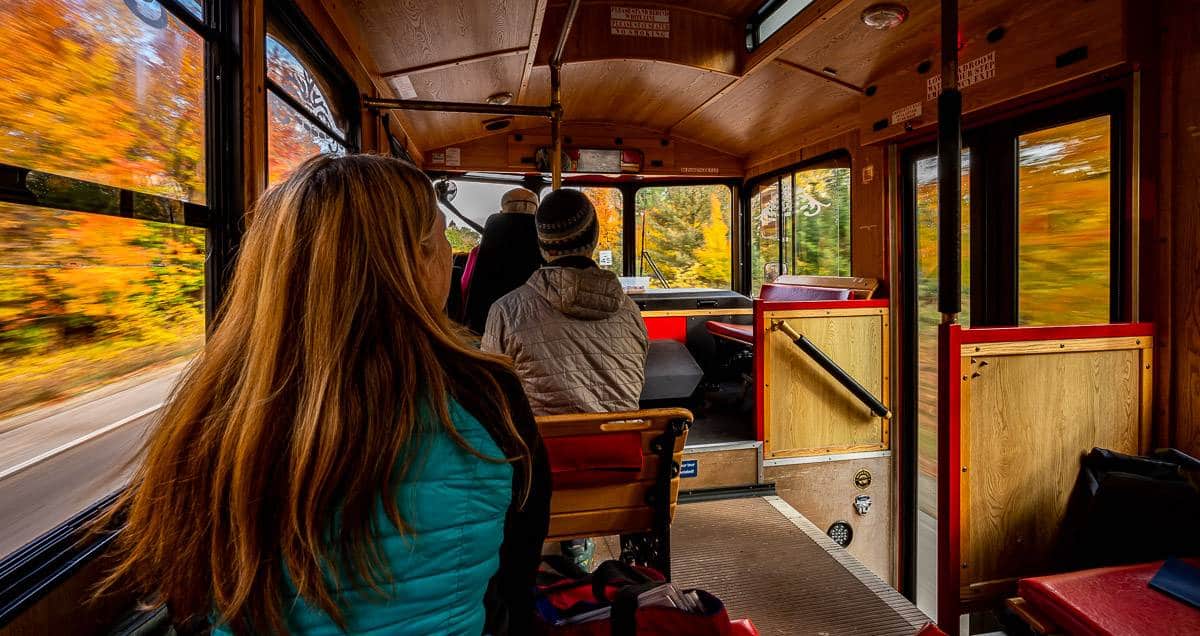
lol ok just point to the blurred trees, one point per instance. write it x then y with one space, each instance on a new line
685 229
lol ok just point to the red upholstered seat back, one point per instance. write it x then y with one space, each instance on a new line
775 292
581 461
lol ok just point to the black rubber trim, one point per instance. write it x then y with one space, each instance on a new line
727 492
32 571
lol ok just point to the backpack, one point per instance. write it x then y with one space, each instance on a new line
619 599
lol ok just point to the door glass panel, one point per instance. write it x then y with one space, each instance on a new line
1065 217
683 234
928 317
764 235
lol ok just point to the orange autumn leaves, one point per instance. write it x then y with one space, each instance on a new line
92 92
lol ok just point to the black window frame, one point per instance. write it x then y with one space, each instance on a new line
286 19
760 15
32 571
629 247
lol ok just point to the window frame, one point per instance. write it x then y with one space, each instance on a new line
629 246
761 15
294 29
831 159
31 572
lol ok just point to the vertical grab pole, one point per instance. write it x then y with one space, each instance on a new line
949 305
556 125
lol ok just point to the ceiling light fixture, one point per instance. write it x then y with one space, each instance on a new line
500 99
882 17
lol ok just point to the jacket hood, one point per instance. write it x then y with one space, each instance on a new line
586 294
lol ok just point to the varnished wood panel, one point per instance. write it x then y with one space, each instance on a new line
1027 419
505 152
72 608
1035 34
824 493
634 92
774 104
806 411
407 33
860 54
722 468
697 38
254 102
1180 212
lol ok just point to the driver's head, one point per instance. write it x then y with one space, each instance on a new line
566 225
518 201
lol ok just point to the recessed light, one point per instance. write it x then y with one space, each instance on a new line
884 16
500 99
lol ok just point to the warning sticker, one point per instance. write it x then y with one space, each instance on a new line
453 156
912 111
973 72
606 259
404 86
640 22
438 156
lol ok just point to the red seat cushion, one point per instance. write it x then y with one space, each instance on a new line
1110 601
741 333
583 461
742 627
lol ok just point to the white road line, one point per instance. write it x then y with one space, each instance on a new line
76 442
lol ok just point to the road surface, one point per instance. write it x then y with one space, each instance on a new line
56 461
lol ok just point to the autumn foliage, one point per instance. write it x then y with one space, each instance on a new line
93 92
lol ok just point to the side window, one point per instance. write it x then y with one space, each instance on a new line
800 223
102 243
303 118
764 235
820 229
609 205
683 236
1064 210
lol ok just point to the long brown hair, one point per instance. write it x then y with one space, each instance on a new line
306 403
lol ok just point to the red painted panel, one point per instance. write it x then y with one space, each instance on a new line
759 375
949 477
666 328
1073 332
823 304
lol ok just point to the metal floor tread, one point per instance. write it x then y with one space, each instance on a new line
771 565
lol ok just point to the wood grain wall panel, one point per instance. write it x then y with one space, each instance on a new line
772 104
504 152
806 411
807 24
1036 33
407 33
634 92
253 26
1179 199
861 54
824 492
697 39
1027 420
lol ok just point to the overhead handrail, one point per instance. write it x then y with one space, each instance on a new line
845 379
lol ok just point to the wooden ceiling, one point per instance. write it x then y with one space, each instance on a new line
693 85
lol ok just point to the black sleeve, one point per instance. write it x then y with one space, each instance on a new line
510 592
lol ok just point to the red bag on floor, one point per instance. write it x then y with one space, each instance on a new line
621 600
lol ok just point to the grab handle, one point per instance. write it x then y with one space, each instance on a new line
838 373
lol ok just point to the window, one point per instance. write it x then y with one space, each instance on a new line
609 206
303 116
102 242
1064 233
924 232
683 236
800 223
770 18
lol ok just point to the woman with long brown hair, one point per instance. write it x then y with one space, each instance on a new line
339 458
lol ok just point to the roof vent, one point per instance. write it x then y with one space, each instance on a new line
884 16
499 123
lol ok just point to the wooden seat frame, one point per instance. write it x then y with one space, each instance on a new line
640 510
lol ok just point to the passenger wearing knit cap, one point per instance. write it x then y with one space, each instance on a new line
507 255
577 340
